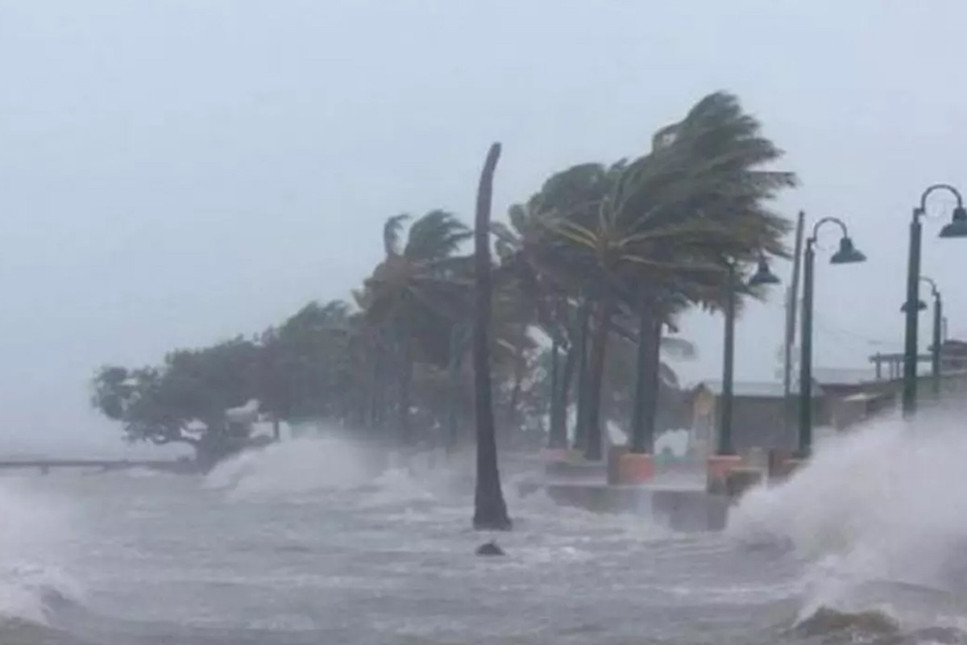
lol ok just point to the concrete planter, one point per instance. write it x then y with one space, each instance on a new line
717 471
635 468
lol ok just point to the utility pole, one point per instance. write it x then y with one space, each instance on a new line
792 301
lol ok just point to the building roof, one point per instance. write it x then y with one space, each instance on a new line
866 396
763 389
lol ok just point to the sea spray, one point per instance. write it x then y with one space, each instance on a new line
293 467
873 511
335 463
34 552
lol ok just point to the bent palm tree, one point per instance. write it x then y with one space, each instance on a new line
416 293
652 234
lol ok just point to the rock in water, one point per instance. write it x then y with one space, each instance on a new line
490 549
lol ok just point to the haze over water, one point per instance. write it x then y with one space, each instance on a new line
177 173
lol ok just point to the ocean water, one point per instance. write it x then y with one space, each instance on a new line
314 541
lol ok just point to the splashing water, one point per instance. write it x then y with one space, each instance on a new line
32 553
293 467
874 512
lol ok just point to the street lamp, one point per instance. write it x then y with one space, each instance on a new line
937 331
763 276
956 228
846 254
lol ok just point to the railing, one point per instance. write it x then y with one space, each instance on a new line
45 465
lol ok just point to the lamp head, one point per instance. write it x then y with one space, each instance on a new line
763 275
921 305
958 224
847 253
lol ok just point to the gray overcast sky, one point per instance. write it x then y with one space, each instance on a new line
175 172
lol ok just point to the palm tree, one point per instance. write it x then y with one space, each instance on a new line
696 202
533 274
535 266
490 510
652 234
416 293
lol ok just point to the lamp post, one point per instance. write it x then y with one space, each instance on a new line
937 331
956 228
762 276
937 338
847 254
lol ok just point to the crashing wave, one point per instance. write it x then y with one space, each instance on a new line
879 508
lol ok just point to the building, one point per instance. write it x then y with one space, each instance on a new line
853 395
761 416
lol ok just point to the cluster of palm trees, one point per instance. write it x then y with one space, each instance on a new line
598 263
590 274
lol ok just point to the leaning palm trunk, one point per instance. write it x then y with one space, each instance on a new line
490 510
557 435
453 375
592 449
405 381
519 367
565 389
580 417
646 381
377 395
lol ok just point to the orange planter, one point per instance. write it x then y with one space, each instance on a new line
635 468
717 471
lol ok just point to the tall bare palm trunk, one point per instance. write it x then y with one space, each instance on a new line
490 510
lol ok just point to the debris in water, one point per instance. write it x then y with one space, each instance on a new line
490 549
826 621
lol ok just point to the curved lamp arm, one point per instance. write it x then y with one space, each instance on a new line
931 189
829 220
934 290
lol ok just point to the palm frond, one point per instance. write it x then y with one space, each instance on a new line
434 236
392 231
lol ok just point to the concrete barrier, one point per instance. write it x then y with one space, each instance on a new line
577 469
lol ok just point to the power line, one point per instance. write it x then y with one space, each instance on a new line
841 332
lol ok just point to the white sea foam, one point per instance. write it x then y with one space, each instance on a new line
874 510
33 553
